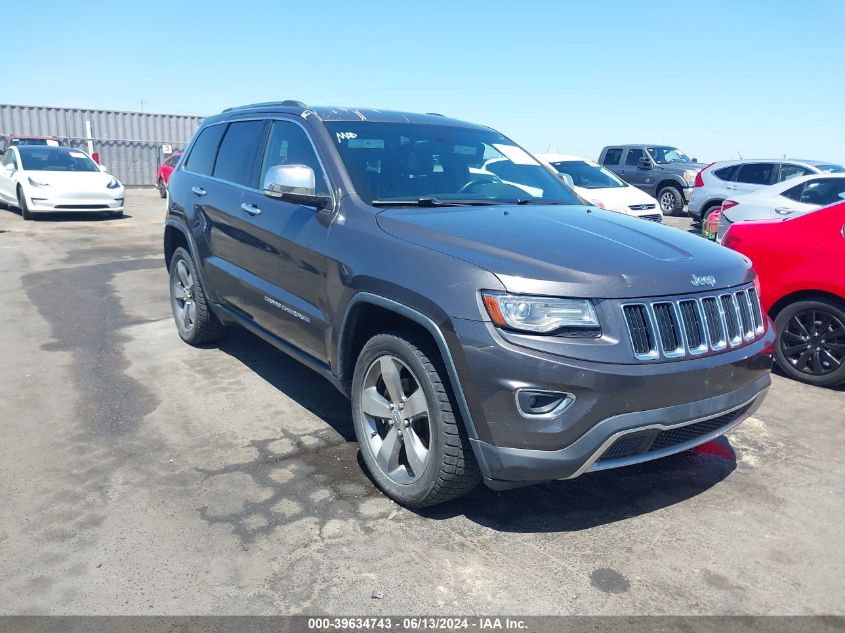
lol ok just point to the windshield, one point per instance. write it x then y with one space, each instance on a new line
664 154
46 158
588 174
831 169
392 163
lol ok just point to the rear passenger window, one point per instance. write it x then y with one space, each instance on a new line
612 156
288 144
240 152
755 173
792 171
726 173
633 156
794 193
823 192
201 158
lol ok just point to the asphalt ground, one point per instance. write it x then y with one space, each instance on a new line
139 475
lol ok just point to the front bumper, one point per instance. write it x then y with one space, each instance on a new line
611 402
43 202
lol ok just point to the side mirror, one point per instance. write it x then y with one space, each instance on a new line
643 163
294 183
567 180
695 160
103 168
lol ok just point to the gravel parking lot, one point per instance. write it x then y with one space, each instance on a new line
140 475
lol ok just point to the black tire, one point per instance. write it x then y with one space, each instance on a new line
671 200
26 214
162 188
204 327
450 470
825 335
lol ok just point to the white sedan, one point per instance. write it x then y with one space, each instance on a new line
46 179
603 188
785 199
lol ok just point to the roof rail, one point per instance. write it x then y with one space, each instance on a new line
286 102
436 114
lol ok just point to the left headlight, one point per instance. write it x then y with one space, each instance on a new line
37 183
541 315
113 184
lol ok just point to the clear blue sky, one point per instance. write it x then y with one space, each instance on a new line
711 76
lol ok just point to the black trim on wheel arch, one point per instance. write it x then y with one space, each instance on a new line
432 328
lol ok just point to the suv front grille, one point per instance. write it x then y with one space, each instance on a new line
693 326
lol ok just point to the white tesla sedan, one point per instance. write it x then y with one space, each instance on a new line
46 179
785 199
602 187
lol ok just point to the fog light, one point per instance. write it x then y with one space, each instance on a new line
538 403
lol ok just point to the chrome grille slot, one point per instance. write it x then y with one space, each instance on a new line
715 323
756 310
693 325
641 331
731 319
668 328
745 318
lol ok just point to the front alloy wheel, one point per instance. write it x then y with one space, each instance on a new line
411 441
395 409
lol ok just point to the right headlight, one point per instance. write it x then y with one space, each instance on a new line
541 315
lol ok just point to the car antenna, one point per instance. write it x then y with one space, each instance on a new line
738 154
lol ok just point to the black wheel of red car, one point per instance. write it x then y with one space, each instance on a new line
811 341
162 188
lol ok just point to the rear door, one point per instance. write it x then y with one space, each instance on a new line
752 176
227 225
284 247
612 160
634 175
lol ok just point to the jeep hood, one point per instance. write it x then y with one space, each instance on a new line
570 250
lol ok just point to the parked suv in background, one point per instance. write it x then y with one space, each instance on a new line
661 171
481 328
728 178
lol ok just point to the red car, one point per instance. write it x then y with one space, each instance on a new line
164 173
799 261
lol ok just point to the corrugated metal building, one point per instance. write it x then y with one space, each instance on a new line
130 144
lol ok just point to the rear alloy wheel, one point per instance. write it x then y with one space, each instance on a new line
162 188
26 214
195 321
671 200
811 341
411 443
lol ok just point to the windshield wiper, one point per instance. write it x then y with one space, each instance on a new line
433 202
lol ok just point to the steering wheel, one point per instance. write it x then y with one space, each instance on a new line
478 181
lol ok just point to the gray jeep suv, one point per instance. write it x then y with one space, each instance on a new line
661 171
483 325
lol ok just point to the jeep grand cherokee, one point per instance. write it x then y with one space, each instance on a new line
484 327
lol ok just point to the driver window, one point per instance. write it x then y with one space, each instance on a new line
288 144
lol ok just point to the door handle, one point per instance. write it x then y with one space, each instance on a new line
784 210
250 208
731 187
199 191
